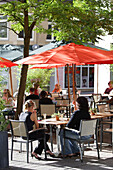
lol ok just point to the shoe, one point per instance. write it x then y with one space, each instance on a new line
76 154
35 155
50 154
61 156
70 155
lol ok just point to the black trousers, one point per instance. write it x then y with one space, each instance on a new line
39 135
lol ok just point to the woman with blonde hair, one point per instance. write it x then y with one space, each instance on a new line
30 117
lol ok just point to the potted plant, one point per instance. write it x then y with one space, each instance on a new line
56 115
4 157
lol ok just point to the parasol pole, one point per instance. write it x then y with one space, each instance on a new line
74 98
97 76
57 76
68 87
11 81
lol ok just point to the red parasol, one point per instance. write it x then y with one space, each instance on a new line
46 66
7 63
70 53
4 62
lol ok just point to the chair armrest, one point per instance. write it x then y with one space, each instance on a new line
70 129
40 129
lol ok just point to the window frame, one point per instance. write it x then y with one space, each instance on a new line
81 68
52 35
22 39
3 21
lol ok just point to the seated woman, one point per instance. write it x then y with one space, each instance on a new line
71 147
9 102
30 117
57 89
44 98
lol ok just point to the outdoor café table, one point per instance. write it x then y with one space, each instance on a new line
64 121
51 122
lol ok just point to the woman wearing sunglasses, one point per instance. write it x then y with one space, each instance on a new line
9 103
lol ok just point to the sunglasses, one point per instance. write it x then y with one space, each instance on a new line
5 93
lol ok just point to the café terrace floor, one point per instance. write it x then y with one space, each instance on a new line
90 160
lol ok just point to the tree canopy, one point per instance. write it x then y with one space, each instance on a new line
77 20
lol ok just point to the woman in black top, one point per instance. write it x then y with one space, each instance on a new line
30 116
71 147
44 98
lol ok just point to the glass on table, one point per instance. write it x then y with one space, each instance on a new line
62 116
44 115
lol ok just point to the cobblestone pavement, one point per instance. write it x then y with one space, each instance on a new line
90 160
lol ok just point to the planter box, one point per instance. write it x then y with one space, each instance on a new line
4 156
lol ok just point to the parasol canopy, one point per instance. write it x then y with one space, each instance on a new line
7 63
4 62
70 54
46 66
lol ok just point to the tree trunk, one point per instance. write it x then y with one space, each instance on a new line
21 90
24 67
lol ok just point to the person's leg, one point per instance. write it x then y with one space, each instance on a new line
69 145
36 135
74 147
40 147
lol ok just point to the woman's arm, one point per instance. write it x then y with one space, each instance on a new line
73 121
34 118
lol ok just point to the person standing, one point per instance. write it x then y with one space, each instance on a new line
36 90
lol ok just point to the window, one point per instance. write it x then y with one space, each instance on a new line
3 78
50 37
84 76
3 27
21 35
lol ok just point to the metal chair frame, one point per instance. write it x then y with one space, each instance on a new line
18 131
87 127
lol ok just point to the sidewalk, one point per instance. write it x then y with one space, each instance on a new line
90 160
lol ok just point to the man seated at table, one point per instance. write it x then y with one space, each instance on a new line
108 90
32 96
